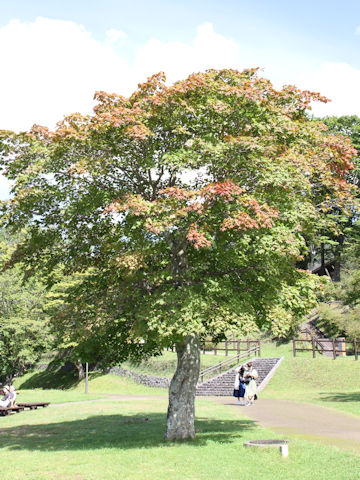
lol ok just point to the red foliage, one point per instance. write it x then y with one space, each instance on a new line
197 238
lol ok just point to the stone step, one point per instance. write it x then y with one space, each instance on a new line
223 384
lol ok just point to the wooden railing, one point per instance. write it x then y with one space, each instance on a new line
337 346
228 346
231 345
215 370
321 345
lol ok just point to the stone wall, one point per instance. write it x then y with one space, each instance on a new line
148 380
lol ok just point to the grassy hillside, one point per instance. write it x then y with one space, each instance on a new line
330 383
57 387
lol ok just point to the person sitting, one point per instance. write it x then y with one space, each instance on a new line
12 396
5 402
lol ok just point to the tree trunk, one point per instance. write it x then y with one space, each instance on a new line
337 259
80 369
181 411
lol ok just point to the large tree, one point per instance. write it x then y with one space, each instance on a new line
185 210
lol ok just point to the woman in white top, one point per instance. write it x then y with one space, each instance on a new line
250 376
5 402
12 395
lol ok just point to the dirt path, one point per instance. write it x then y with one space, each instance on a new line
303 420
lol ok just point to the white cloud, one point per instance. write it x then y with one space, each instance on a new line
114 37
340 83
177 59
52 68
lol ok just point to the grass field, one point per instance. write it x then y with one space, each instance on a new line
113 440
123 439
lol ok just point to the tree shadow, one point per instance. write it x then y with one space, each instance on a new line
60 378
340 397
115 431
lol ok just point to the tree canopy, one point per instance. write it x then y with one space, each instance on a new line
184 207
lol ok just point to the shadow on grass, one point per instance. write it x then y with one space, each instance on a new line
340 397
55 379
115 431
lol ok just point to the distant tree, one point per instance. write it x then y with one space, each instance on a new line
349 126
340 313
71 305
340 306
24 333
185 209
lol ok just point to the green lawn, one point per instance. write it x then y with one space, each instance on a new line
33 387
124 439
113 440
326 382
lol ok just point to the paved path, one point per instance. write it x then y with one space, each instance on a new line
303 419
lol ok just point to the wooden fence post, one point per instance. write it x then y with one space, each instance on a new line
259 351
334 351
313 346
226 348
238 347
355 349
215 352
248 344
294 347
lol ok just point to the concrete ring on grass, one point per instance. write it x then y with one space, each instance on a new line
282 444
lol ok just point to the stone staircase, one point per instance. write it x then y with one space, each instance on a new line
223 384
310 329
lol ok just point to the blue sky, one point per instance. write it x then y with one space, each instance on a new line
55 54
324 28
